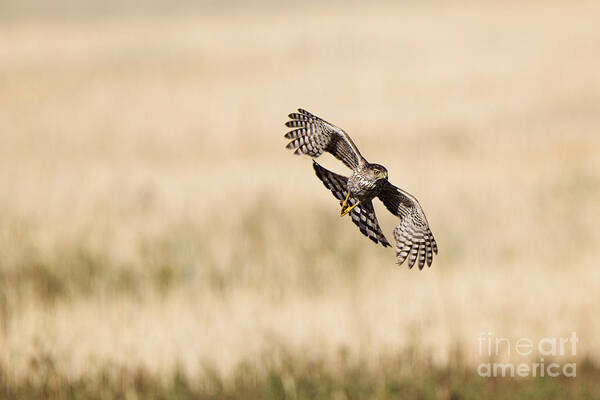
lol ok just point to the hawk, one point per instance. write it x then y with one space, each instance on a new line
413 238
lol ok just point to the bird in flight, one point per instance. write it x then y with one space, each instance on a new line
313 136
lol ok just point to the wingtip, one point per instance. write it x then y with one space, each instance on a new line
317 168
304 112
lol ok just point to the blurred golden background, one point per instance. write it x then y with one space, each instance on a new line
154 224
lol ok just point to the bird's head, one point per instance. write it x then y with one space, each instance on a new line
378 171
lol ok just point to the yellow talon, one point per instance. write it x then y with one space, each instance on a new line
348 210
344 204
345 209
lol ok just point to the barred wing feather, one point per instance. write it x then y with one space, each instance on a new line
414 239
363 215
313 136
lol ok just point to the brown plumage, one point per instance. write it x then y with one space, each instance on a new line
413 238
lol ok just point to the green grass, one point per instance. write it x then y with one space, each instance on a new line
294 377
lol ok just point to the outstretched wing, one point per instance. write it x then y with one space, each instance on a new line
413 236
363 215
313 136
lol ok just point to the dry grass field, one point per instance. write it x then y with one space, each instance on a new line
158 241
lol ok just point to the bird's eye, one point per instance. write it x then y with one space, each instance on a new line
377 172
